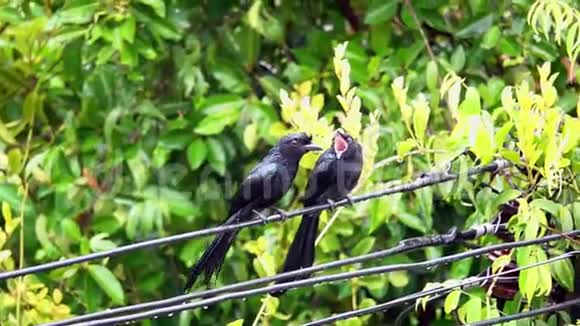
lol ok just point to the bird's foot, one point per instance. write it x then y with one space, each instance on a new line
261 216
332 204
280 212
349 200
451 235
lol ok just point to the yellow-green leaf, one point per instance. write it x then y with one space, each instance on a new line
405 147
420 118
563 272
251 136
451 301
432 75
399 279
108 282
239 322
196 153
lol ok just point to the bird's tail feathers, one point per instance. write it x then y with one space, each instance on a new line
212 259
301 252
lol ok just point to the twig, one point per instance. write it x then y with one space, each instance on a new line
418 22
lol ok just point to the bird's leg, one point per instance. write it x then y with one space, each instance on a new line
349 200
261 216
280 212
332 204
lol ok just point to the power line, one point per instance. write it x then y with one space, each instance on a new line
434 291
323 279
404 246
423 181
527 314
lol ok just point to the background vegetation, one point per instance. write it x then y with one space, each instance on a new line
126 120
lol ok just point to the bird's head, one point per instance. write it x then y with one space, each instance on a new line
297 144
344 145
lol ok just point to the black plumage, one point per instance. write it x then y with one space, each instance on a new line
266 183
335 174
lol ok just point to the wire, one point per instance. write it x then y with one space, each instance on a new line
320 279
423 181
434 291
403 246
527 314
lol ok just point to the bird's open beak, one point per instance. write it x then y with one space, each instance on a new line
341 132
312 147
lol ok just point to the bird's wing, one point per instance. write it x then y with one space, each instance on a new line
320 178
261 175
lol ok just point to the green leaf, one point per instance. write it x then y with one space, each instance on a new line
78 12
404 147
272 86
483 146
528 282
156 24
71 229
32 105
546 205
248 42
222 104
108 283
563 272
5 134
14 161
412 221
9 193
196 153
399 279
504 197
500 262
491 38
127 29
458 59
471 310
10 15
432 75
420 119
471 105
157 5
476 28
251 136
178 202
510 46
239 322
212 125
72 63
502 133
99 243
452 301
565 219
216 156
381 11
363 246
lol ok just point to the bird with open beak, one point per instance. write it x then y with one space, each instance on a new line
335 174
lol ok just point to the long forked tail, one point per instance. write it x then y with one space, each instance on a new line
301 252
212 259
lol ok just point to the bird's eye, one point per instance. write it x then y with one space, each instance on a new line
294 141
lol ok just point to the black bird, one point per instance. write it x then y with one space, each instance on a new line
335 174
263 187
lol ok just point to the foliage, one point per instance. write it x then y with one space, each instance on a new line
127 120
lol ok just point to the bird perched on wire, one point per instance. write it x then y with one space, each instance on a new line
335 174
266 183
